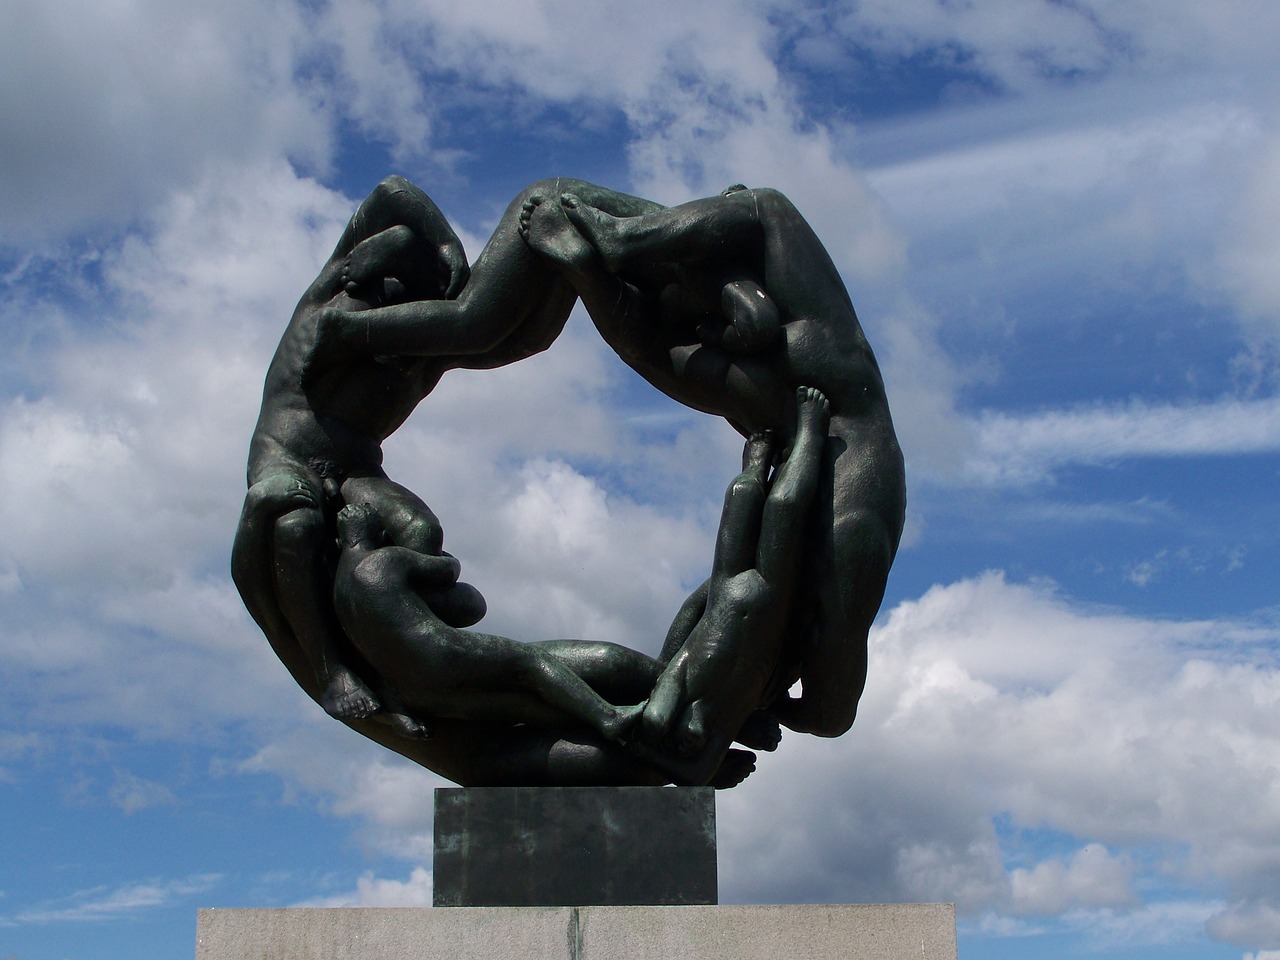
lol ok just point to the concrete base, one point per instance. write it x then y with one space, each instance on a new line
574 846
861 932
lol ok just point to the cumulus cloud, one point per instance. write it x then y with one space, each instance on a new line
991 702
126 467
1092 877
1249 923
374 891
88 142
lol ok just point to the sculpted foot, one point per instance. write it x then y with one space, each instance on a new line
814 412
548 232
600 229
347 698
405 725
760 731
736 766
621 724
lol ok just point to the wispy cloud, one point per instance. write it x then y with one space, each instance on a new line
1015 449
132 793
105 903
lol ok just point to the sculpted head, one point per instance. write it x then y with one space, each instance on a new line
359 524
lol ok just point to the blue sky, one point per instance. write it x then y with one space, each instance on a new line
1058 221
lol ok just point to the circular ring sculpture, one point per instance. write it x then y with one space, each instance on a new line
730 305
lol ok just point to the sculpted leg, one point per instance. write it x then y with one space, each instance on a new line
562 689
738 535
305 594
251 555
617 673
736 541
686 619
715 228
278 564
513 294
833 667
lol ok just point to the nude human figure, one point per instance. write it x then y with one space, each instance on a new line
658 323
387 599
722 672
318 440
402 610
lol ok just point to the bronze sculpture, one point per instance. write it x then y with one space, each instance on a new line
730 305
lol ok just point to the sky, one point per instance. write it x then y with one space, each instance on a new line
1060 223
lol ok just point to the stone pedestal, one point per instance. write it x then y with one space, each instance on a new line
574 846
863 932
541 855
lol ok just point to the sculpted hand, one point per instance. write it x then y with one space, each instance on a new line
279 493
454 271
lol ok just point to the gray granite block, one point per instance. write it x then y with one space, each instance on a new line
804 932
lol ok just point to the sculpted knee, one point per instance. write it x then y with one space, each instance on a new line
832 720
390 186
744 486
300 529
768 200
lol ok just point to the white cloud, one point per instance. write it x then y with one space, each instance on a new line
124 473
564 51
1250 923
1092 877
107 106
992 701
1025 45
374 891
1014 42
1015 449
132 793
325 763
1019 210
1167 923
1252 245
105 903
